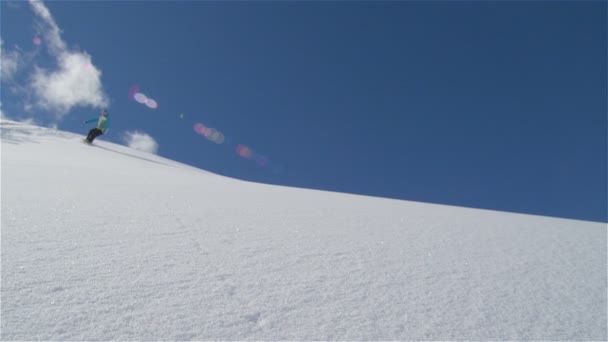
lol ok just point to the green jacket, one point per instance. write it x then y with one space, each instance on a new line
102 124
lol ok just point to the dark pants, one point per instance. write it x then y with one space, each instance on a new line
94 133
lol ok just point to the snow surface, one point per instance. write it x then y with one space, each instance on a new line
107 243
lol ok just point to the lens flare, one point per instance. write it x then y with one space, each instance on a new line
37 41
214 135
261 160
201 129
141 98
211 134
135 94
151 104
208 133
134 90
220 139
217 137
244 151
198 128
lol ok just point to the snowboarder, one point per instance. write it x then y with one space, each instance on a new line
103 122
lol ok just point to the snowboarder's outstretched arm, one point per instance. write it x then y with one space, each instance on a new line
102 122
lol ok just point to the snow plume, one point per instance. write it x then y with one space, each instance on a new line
75 82
9 61
141 141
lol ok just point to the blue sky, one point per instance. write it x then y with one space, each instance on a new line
496 105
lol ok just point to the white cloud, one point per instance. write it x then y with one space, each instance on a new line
49 28
141 141
9 61
76 81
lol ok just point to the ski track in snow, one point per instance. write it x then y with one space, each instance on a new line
109 243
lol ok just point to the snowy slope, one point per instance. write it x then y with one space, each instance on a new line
107 243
